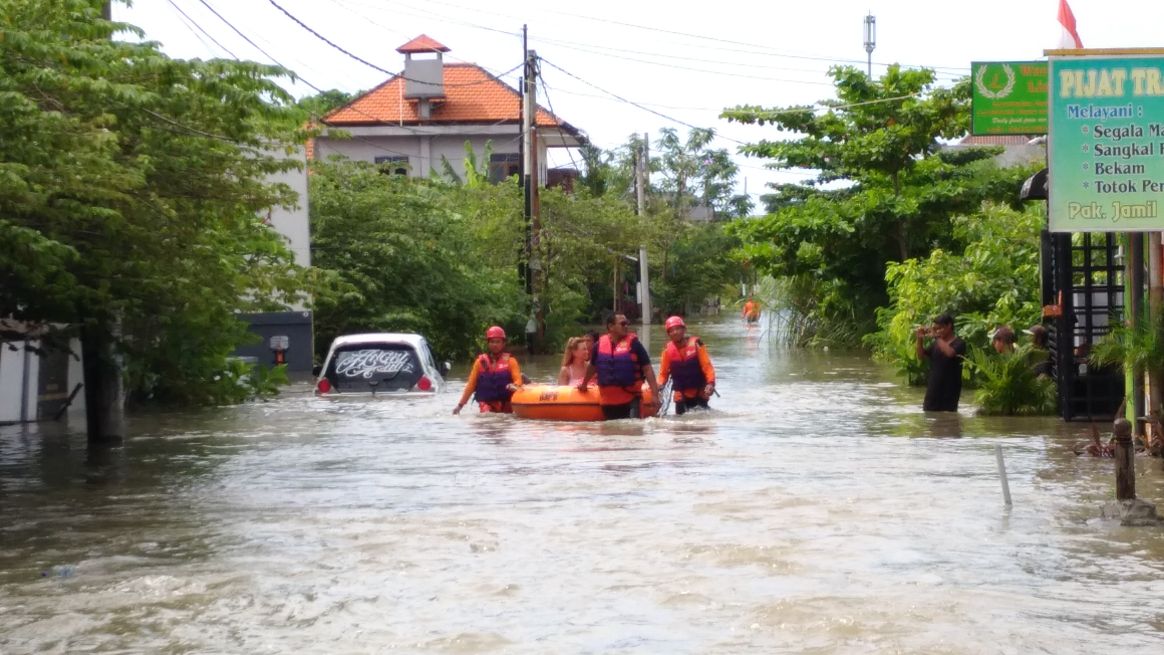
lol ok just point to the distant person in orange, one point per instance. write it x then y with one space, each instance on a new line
686 362
574 362
751 311
622 364
495 376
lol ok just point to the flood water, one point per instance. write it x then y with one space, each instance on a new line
815 510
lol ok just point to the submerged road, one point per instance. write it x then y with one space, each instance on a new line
815 510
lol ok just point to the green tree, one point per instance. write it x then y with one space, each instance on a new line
694 173
132 190
414 255
988 277
321 104
884 189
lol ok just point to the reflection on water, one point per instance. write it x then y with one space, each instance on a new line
816 508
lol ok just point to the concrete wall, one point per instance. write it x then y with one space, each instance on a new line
424 151
18 381
24 394
293 222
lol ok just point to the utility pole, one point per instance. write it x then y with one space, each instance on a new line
870 39
523 252
536 326
100 366
642 178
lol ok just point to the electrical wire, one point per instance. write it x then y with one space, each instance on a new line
370 142
825 106
632 102
363 61
752 49
195 23
553 113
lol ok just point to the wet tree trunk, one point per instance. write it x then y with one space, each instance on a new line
104 401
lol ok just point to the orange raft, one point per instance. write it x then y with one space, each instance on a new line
550 402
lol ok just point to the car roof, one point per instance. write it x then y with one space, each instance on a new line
379 337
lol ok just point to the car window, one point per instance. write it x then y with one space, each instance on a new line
426 353
384 367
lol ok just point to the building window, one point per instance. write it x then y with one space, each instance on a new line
393 165
503 166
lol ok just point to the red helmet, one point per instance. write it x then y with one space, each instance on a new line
495 332
674 321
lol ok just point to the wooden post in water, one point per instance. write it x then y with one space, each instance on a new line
1125 464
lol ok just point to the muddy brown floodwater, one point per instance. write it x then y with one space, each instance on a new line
815 510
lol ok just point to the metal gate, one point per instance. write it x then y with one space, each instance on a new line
1083 279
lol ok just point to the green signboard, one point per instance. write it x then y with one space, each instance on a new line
1009 97
1106 143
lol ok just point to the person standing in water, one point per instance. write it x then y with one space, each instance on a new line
686 362
945 353
622 364
495 376
751 311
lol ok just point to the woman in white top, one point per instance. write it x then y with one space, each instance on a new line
574 362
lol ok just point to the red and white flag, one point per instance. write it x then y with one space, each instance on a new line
1070 37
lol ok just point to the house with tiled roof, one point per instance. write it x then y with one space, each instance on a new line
416 119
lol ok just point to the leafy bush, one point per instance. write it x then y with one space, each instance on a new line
1008 385
994 281
1139 346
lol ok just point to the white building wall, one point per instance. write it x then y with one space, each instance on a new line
425 152
292 222
19 370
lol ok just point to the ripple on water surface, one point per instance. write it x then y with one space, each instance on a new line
815 509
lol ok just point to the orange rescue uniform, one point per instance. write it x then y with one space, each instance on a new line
692 348
502 406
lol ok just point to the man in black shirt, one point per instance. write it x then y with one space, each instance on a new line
945 353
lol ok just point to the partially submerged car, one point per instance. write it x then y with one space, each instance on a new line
382 362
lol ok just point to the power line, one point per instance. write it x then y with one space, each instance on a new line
361 59
600 49
195 23
384 27
244 36
752 48
815 107
550 103
693 68
301 79
632 102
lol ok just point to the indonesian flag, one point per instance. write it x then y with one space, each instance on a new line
1070 37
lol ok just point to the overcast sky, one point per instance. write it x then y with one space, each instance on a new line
687 60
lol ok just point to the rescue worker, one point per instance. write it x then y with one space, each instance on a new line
622 364
686 362
495 376
751 312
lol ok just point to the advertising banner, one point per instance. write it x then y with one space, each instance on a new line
1106 143
1008 97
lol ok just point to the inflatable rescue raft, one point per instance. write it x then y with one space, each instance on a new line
550 402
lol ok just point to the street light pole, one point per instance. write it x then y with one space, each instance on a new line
870 39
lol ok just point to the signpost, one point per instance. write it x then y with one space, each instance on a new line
1106 143
1008 97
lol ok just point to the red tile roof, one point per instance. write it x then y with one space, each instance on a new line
421 44
472 95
